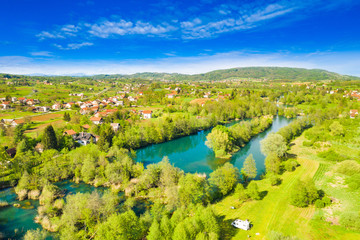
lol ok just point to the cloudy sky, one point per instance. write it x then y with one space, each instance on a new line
127 36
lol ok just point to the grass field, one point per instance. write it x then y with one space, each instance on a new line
274 212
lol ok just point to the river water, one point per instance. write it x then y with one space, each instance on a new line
192 155
188 153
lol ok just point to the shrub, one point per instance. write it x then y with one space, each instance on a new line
348 167
308 143
319 203
353 181
290 165
327 201
274 180
280 236
350 220
331 155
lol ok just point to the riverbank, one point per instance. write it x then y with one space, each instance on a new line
274 214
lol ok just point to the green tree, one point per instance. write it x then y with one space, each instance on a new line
166 228
337 129
249 168
124 226
193 189
49 139
67 117
220 140
154 231
240 193
225 178
274 143
35 234
180 232
23 146
272 163
253 191
19 133
304 193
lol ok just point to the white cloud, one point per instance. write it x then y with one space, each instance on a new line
41 54
44 35
73 46
122 27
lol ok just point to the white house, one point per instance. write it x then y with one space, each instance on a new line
56 106
97 120
115 126
245 225
354 113
147 114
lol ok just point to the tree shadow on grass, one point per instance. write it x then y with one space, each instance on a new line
228 231
263 194
291 155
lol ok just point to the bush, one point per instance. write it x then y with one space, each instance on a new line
327 201
348 167
319 203
280 236
290 165
353 181
350 220
308 143
274 180
331 155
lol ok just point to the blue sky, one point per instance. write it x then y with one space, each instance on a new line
115 36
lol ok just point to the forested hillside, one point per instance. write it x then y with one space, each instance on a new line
270 73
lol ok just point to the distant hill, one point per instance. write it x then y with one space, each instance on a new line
270 73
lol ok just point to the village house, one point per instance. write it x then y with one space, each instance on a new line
84 111
97 120
22 100
70 132
115 126
30 102
147 114
5 105
16 122
86 126
56 106
69 104
43 109
13 99
101 114
170 95
354 113
119 103
84 138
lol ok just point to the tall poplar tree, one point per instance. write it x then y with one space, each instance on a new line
249 169
49 140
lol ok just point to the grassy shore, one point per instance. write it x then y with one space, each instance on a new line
275 213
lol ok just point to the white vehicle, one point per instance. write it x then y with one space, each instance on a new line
245 225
